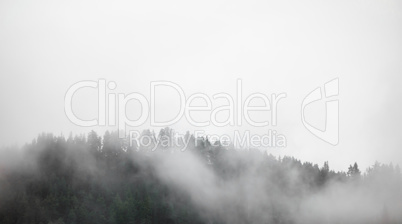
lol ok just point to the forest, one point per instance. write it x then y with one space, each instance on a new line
103 179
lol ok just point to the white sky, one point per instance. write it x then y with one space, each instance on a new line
274 47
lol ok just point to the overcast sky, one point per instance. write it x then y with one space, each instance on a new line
277 47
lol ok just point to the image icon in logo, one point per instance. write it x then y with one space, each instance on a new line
331 132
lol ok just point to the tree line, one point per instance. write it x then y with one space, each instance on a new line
94 179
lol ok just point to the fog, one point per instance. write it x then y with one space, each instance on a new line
215 184
80 173
250 196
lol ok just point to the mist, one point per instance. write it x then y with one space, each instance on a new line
58 180
318 80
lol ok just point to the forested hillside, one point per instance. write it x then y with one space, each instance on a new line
93 179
